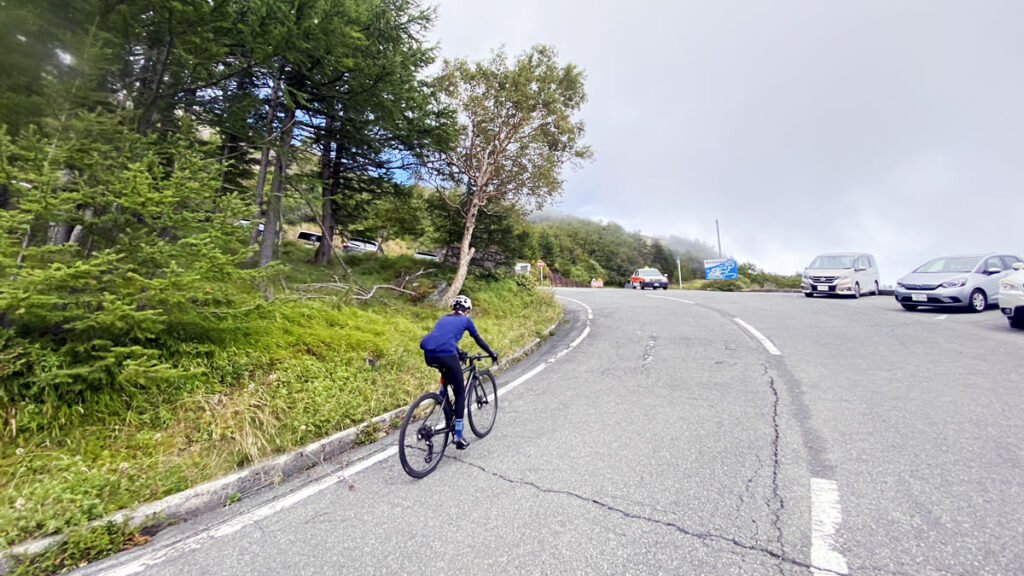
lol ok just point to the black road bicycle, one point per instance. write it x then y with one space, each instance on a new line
429 424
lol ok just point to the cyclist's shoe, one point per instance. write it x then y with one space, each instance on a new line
461 443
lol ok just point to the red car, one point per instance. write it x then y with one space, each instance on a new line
648 278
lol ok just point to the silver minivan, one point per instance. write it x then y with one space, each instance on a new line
846 273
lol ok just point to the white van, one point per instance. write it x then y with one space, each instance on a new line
846 273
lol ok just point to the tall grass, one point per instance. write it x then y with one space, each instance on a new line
252 383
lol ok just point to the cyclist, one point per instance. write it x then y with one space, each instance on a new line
440 350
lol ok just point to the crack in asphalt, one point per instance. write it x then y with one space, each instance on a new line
776 502
706 537
649 350
748 489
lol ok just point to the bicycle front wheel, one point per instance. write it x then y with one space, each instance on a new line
482 403
424 436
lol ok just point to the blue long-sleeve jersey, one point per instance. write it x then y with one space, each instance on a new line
443 339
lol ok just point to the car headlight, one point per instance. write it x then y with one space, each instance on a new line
1010 285
954 283
899 283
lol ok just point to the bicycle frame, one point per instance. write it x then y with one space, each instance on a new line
469 371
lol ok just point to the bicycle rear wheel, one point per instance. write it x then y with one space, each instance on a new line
424 436
482 403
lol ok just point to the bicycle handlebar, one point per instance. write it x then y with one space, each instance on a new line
466 357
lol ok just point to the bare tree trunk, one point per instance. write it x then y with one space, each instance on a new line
261 176
465 251
5 197
57 233
21 254
147 116
78 233
232 147
268 246
323 249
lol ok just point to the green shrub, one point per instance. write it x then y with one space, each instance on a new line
730 285
526 281
158 249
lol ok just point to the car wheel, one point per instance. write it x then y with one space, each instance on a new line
634 285
856 289
1016 322
909 306
665 287
809 294
978 301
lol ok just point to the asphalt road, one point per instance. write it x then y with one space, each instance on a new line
684 433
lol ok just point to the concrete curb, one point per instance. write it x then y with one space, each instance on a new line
203 498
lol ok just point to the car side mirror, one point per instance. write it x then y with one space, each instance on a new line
1018 265
859 269
991 271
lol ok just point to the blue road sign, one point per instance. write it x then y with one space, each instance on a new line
722 269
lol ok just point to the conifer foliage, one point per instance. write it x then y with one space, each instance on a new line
136 134
107 249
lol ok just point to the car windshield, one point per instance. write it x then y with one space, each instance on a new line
648 272
834 261
955 264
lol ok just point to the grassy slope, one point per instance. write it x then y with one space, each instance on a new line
267 380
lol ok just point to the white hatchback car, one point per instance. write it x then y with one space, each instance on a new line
359 245
970 282
1011 296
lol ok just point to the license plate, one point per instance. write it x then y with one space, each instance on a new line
919 297
821 288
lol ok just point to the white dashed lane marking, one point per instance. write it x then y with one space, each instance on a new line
826 516
760 337
673 299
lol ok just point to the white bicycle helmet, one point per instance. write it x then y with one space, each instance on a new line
462 303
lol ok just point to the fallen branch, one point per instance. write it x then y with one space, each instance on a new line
331 285
405 279
359 293
396 288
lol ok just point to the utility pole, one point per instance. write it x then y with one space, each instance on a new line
719 234
679 270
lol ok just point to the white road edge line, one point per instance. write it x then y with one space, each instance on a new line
257 514
760 337
673 299
239 522
549 361
942 317
826 516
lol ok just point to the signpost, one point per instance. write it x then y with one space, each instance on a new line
540 264
679 270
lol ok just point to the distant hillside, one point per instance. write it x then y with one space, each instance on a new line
581 249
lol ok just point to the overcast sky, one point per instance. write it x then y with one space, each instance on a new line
892 127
